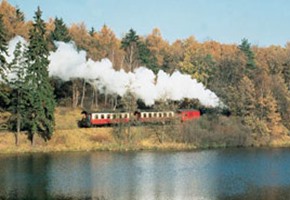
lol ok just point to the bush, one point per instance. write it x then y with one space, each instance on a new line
217 131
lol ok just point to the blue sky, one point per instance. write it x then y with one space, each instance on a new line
262 22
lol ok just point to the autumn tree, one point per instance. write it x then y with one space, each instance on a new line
286 75
215 49
157 46
282 96
244 98
196 62
269 112
173 57
226 75
80 36
13 18
40 106
105 44
286 67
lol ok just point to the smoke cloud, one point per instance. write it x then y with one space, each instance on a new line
67 62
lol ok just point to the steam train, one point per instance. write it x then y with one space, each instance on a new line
111 118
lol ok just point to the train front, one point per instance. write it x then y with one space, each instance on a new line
85 122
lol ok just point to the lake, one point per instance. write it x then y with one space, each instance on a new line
205 175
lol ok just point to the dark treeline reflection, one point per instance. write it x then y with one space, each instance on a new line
212 174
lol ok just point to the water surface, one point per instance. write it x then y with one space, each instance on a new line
210 174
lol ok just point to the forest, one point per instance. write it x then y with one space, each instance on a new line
253 82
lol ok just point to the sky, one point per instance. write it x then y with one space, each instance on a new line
262 22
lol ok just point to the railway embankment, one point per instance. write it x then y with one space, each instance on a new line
222 132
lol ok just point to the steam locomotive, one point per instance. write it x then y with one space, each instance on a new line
110 118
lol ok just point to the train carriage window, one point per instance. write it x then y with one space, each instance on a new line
102 116
165 114
125 116
155 114
108 116
145 115
170 115
150 115
160 114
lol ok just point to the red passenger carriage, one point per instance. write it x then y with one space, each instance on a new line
110 118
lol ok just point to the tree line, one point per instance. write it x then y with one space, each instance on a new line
29 95
252 81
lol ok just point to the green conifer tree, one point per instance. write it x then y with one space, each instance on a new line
60 32
245 47
41 103
130 45
3 64
137 53
19 90
3 46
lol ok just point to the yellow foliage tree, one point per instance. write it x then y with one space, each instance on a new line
269 112
157 45
196 61
108 45
13 20
80 36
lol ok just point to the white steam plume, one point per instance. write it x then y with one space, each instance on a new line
11 47
66 62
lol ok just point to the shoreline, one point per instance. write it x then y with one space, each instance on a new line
101 139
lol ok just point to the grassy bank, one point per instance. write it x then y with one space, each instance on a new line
84 140
100 139
68 137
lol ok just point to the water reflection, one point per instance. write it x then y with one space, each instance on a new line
215 174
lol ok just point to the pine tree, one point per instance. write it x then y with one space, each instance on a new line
41 103
60 32
3 46
147 58
130 44
137 53
19 90
3 64
92 32
245 47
